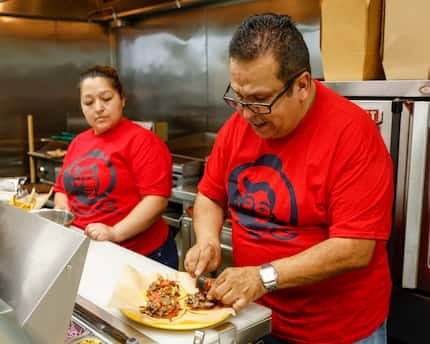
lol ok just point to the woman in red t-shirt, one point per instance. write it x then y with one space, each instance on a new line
117 176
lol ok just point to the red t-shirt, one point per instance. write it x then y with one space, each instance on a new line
331 177
106 176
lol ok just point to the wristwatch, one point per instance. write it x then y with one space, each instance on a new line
269 277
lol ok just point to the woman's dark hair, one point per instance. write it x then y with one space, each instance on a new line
275 34
107 72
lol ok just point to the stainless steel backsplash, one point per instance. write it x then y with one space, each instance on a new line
175 65
40 61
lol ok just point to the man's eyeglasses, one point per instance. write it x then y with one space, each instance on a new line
260 108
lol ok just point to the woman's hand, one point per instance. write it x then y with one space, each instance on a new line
200 258
100 232
238 287
61 201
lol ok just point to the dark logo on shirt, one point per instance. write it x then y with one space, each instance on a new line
91 179
253 190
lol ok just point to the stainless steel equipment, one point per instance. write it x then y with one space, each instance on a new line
186 170
45 9
10 332
189 154
47 169
197 146
60 216
401 111
110 9
173 217
40 267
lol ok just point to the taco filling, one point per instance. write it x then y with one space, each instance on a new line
199 301
163 299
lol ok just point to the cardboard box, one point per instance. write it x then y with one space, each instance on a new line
350 39
162 130
159 128
406 46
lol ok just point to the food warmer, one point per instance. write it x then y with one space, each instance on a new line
56 283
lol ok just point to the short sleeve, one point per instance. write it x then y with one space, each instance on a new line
151 165
212 185
361 185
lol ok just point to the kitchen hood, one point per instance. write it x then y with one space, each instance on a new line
113 9
93 10
46 9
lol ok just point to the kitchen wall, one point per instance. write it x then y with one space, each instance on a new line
175 65
40 61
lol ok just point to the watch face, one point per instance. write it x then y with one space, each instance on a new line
268 276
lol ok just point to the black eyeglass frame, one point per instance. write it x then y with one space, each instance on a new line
234 102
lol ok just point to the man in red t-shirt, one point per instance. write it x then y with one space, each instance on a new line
308 181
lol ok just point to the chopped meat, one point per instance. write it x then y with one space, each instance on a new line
167 287
163 299
199 301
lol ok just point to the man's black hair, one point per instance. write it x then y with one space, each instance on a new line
274 34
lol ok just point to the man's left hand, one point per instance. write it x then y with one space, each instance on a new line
238 287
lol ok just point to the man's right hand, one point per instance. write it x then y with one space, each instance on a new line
202 257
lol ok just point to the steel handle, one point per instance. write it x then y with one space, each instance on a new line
415 194
199 337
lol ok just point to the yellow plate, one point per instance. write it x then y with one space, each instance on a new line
177 325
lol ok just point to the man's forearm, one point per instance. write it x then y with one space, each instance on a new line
208 218
324 260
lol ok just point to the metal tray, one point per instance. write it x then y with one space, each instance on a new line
88 340
197 146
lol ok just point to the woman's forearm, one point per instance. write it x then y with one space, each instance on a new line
143 215
61 201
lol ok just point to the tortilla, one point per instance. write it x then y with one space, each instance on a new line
130 294
171 317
